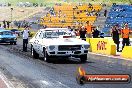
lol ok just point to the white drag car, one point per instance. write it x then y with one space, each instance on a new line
58 42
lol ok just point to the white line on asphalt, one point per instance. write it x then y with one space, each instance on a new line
49 84
5 80
45 82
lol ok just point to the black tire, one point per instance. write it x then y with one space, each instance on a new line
14 43
34 53
46 56
83 58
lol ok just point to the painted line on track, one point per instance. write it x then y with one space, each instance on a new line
5 80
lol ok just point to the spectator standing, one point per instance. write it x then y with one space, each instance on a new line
89 29
19 25
76 32
115 35
4 24
96 33
8 24
125 35
105 13
25 38
82 33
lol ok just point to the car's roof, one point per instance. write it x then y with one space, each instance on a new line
50 29
14 30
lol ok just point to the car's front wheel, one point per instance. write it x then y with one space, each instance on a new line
14 43
83 58
34 53
46 56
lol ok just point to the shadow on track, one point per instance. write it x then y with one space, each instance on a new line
66 61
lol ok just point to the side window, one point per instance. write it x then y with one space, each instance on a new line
44 35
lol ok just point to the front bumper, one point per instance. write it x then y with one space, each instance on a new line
67 53
66 56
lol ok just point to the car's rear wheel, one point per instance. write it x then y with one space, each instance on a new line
34 53
83 58
46 56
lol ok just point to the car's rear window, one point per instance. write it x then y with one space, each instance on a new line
55 33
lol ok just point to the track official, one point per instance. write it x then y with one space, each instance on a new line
125 35
89 28
25 38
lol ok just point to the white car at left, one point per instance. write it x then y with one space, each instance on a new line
58 42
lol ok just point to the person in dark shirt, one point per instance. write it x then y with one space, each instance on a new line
115 35
82 33
8 24
4 23
96 33
105 13
125 32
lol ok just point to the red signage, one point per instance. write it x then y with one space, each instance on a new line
83 78
101 45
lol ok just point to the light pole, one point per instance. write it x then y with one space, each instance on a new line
11 16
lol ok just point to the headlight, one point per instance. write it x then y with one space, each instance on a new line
51 47
86 46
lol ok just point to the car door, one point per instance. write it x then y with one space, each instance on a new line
40 43
36 42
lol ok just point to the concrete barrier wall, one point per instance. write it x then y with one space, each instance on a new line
127 52
102 46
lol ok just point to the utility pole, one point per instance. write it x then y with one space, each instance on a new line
11 16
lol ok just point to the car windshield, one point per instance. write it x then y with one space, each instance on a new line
6 33
55 34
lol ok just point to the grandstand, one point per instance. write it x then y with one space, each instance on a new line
119 14
77 15
71 15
